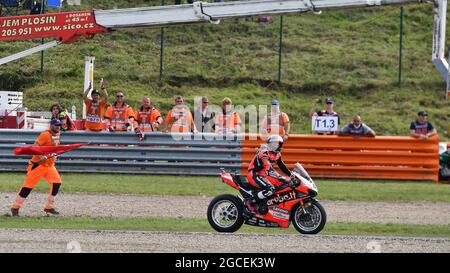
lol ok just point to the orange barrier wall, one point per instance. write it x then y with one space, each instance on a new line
382 157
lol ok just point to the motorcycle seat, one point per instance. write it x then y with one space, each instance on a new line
242 181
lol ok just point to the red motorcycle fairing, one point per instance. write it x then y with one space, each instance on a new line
228 179
280 205
227 213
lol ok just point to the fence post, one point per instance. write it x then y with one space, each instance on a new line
280 49
400 50
42 42
161 53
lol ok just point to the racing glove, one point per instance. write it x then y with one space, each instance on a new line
284 180
139 134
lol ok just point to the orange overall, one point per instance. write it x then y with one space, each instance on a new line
94 114
148 119
119 116
227 123
41 169
181 120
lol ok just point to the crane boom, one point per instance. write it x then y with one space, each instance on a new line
212 12
69 26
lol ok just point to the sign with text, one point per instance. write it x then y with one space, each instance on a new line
9 101
325 123
66 26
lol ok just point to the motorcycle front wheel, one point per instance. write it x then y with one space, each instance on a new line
225 213
311 220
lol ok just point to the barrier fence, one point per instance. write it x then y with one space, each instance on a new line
122 152
381 157
402 158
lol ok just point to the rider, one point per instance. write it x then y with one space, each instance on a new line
261 173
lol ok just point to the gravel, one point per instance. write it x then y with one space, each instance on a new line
28 240
121 205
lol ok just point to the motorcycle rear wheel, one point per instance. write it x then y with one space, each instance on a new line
313 221
225 213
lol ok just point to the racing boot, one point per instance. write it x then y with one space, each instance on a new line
52 212
250 205
14 212
264 195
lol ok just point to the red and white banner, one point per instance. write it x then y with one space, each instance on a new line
66 26
21 118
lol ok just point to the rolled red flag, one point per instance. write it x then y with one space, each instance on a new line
46 150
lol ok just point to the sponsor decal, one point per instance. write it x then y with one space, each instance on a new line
279 215
281 198
261 223
277 209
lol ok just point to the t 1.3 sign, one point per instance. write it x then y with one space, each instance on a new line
325 123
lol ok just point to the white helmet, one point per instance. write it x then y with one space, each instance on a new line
274 143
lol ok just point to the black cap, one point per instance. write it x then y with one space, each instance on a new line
95 92
329 100
422 113
55 122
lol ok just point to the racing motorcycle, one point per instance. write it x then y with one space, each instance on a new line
294 203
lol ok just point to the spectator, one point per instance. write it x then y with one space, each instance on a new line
444 164
421 127
95 108
203 117
148 118
357 128
179 119
328 111
58 113
120 115
277 122
227 122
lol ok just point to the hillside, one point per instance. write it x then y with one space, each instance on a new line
351 55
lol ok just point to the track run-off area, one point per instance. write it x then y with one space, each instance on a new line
27 240
123 206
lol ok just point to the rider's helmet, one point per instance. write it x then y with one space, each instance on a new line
275 143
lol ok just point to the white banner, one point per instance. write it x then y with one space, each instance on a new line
10 101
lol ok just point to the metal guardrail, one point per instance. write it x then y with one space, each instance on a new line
122 152
381 157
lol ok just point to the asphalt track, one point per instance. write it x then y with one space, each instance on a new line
27 240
